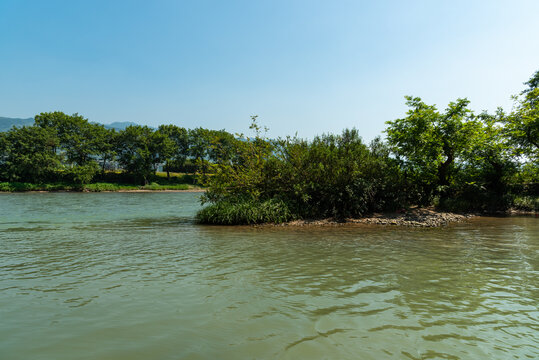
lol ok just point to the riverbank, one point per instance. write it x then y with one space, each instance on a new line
415 217
8 187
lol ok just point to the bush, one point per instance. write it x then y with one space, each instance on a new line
16 186
156 186
473 198
97 187
82 174
20 186
245 212
526 203
332 176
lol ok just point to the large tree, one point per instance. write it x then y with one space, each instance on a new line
488 162
79 139
28 154
199 143
221 146
174 146
522 125
106 141
139 149
429 142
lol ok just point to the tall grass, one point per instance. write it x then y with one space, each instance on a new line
245 212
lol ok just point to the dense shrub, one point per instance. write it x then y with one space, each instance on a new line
82 174
332 176
526 203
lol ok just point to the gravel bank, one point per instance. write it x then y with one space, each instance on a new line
414 217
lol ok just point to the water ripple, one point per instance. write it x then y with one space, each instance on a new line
125 276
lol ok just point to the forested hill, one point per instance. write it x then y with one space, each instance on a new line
7 123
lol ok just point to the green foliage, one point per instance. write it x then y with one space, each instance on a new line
453 158
28 154
526 203
106 145
332 176
470 197
175 146
22 186
428 142
199 143
245 212
487 161
94 187
78 138
156 186
139 150
99 186
522 125
16 186
82 174
243 176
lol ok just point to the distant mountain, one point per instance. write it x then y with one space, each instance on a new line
119 125
7 123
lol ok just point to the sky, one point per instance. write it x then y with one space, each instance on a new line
304 67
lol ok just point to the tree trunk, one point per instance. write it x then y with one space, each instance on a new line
104 163
443 174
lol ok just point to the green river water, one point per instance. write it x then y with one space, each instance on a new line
129 276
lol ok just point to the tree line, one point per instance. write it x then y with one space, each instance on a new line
61 147
454 159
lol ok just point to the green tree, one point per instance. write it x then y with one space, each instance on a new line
139 151
488 162
77 137
243 176
106 141
175 146
428 142
222 145
199 143
29 154
522 125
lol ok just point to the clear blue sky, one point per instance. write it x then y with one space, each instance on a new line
303 66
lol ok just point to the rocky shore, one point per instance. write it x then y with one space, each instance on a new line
418 217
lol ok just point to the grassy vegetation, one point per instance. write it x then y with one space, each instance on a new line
111 181
23 186
245 212
96 187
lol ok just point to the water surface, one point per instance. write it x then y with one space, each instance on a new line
129 276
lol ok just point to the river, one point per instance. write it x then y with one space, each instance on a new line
130 276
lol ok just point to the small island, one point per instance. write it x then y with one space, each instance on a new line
440 163
454 161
